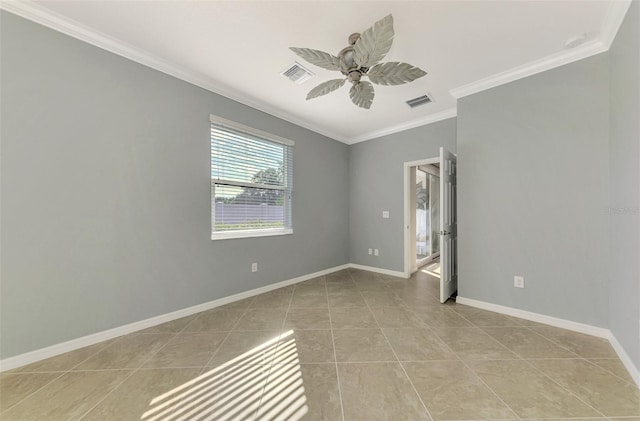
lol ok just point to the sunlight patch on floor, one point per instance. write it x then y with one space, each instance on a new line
235 389
432 269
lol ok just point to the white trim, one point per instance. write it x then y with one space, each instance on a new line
626 360
423 121
561 323
53 350
61 348
40 14
537 66
377 270
536 317
266 232
613 21
611 25
223 122
407 215
430 169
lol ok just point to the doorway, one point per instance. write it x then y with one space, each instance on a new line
430 235
427 218
422 234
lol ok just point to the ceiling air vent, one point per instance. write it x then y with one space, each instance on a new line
421 100
297 73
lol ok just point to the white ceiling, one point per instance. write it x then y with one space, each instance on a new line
239 48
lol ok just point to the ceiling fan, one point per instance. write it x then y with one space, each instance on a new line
362 59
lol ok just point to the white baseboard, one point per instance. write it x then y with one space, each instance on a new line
57 349
61 348
536 317
625 358
377 270
561 323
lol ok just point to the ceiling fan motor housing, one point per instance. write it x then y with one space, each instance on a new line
351 69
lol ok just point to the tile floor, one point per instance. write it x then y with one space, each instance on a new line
352 345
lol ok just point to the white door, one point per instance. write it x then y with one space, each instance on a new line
448 226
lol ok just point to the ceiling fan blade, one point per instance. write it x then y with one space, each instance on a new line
394 73
317 57
325 88
374 43
362 94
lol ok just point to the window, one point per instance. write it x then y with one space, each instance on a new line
251 181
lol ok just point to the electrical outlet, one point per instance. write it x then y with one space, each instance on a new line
254 267
370 252
376 252
518 281
385 214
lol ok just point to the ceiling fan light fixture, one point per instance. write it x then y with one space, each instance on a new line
346 57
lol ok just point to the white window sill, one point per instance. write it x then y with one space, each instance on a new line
226 235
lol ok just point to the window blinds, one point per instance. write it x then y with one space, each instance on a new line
251 181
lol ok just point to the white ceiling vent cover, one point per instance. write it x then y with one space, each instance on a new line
421 100
297 73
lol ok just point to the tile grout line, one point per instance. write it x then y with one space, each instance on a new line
476 374
522 358
204 368
387 289
490 388
556 382
588 360
396 356
464 363
143 363
335 355
275 353
62 373
133 371
585 358
519 357
206 365
562 387
552 341
35 391
573 357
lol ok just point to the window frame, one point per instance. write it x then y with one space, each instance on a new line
287 188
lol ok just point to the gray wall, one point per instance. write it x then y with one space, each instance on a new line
533 160
105 194
624 284
376 184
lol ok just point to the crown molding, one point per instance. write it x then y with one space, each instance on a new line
612 21
615 15
428 119
537 66
40 14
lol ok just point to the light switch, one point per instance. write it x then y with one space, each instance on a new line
385 214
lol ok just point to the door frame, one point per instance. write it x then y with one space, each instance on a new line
407 211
